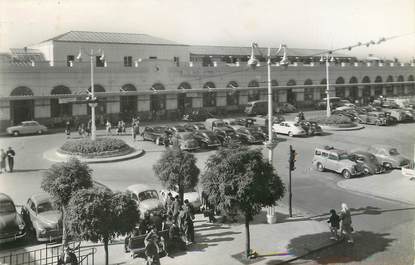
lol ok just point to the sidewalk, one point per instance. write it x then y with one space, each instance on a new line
392 185
225 243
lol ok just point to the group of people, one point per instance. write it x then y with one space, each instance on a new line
8 157
342 221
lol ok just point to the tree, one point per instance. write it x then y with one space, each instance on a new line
177 168
62 180
240 178
98 214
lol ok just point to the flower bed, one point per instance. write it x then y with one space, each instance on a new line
101 147
334 121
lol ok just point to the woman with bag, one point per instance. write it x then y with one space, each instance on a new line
346 223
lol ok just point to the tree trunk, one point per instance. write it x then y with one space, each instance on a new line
248 238
64 238
106 250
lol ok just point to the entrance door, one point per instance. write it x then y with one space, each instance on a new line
21 110
291 97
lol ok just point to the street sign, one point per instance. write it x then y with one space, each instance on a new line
67 100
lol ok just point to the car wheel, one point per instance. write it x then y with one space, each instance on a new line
290 134
366 171
16 133
387 165
320 167
157 141
346 174
40 132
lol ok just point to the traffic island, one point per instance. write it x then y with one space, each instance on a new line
101 150
336 123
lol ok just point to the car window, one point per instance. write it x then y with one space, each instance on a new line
393 152
317 152
333 157
6 207
343 156
148 194
45 207
148 129
324 154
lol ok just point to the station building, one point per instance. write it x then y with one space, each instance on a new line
138 74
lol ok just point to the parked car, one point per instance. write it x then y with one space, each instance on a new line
258 107
388 156
368 161
27 127
400 115
146 197
389 104
226 136
311 127
290 128
240 122
206 139
177 129
334 103
250 135
197 115
185 141
213 123
43 217
285 108
193 196
375 118
191 127
12 225
336 160
155 134
262 120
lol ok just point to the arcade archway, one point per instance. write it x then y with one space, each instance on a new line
57 109
128 104
22 109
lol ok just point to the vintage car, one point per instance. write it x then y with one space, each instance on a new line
27 127
192 127
185 141
290 128
211 124
250 135
12 225
238 123
336 160
400 115
155 134
227 136
262 120
146 197
43 218
311 127
197 115
176 129
375 118
285 108
368 161
388 156
193 196
207 139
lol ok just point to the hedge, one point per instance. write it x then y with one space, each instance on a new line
333 119
98 147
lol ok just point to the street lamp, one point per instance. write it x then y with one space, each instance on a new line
92 99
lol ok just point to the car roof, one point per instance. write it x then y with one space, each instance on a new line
5 197
137 188
362 152
40 197
331 149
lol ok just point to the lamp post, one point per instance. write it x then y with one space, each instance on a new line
92 100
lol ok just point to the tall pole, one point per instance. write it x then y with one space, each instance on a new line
290 195
270 150
328 87
93 104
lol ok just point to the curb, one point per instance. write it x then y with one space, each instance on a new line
329 128
54 156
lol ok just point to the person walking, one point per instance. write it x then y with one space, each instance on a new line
10 158
81 130
68 129
346 223
3 157
88 128
68 257
334 222
108 127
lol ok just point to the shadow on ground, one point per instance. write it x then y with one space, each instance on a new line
366 245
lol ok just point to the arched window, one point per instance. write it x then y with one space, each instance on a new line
101 108
291 96
209 97
232 97
157 102
378 88
389 87
60 109
253 94
184 103
308 91
354 90
366 90
24 109
340 91
128 103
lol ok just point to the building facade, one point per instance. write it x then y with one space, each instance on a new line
157 79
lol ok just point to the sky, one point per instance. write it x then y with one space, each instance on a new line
319 24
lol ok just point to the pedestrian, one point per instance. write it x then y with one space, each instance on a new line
10 158
81 129
166 139
68 258
108 127
68 129
169 203
3 157
334 222
88 128
186 224
176 207
346 223
119 127
208 210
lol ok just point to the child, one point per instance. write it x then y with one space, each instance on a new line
334 221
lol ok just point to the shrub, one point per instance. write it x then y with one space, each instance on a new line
333 119
100 146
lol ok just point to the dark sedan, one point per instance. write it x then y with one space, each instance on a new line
197 115
191 127
177 129
185 141
227 136
250 136
206 139
44 218
155 134
12 226
368 161
311 127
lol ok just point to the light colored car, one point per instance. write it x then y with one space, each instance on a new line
192 196
290 128
388 156
12 225
44 217
146 197
336 160
27 127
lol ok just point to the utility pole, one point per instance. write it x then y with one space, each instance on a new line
291 167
